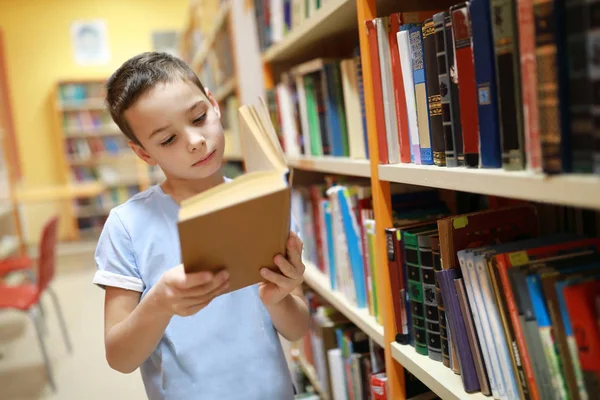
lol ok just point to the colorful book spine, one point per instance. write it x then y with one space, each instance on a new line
485 79
505 34
415 288
461 27
409 93
433 93
361 92
419 73
395 21
393 238
439 20
437 266
457 134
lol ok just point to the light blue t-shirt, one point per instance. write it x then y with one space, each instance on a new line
230 350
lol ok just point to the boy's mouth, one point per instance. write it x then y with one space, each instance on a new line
205 159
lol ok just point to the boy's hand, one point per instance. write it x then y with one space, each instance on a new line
280 285
185 294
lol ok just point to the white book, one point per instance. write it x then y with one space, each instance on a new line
288 121
409 92
387 89
336 367
277 20
356 137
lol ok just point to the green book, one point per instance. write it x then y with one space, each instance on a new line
316 145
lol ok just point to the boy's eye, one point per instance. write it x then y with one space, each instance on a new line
200 119
169 141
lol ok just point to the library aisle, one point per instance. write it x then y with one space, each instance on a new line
441 162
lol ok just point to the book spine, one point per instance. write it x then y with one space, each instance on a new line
415 288
437 266
509 84
531 121
433 93
361 93
398 84
461 27
394 270
485 79
377 92
457 133
419 72
444 85
338 97
548 88
432 315
409 92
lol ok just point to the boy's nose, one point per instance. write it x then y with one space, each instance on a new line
195 142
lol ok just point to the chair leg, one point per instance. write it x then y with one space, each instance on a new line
44 324
61 319
35 319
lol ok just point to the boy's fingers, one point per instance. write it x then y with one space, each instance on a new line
197 279
206 296
287 268
200 290
276 278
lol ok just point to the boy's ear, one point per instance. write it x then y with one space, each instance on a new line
213 102
141 153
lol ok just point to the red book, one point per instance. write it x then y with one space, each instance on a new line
508 260
461 27
529 83
582 305
379 386
395 21
377 92
315 201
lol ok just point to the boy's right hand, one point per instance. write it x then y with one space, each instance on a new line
184 294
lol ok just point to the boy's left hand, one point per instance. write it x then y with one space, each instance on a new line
279 285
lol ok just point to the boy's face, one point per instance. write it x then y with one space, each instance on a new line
179 129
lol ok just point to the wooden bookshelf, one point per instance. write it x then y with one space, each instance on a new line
360 317
332 165
568 189
334 17
219 24
441 380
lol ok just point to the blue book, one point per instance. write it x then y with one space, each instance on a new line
334 112
485 79
421 95
331 255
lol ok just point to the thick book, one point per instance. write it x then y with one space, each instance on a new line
409 93
433 93
437 266
485 79
432 314
208 220
461 27
504 28
419 73
457 326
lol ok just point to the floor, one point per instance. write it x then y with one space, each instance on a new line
84 374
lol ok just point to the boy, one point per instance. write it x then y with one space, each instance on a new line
189 342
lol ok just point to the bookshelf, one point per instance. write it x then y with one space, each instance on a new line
309 39
212 58
98 169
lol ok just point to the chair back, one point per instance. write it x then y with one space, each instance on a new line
47 256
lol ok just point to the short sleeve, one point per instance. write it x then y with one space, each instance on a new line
115 257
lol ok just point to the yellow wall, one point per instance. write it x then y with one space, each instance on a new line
38 53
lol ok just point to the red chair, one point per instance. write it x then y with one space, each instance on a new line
27 296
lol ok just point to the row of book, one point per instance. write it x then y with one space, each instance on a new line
482 85
318 108
348 364
276 18
79 92
80 149
102 204
88 122
498 302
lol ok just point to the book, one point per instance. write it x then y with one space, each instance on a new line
236 209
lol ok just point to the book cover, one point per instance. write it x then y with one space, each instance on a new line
485 79
461 28
437 266
419 73
433 93
432 317
409 93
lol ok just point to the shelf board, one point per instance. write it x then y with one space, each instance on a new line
333 165
8 246
102 158
334 17
209 40
569 189
92 104
59 192
440 379
360 317
94 132
226 89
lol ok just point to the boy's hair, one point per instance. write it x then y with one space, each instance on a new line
137 76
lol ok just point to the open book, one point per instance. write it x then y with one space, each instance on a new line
243 224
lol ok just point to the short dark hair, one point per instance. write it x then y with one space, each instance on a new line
137 76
